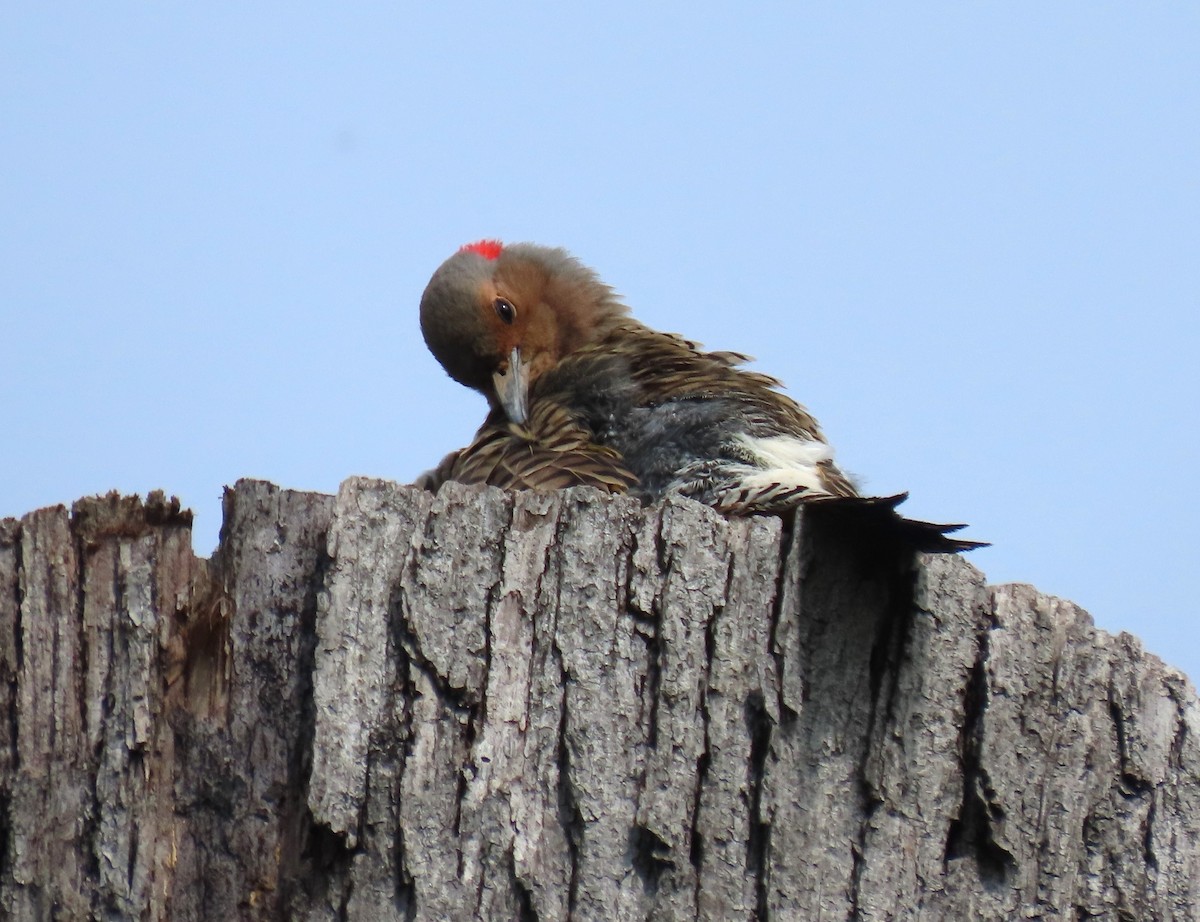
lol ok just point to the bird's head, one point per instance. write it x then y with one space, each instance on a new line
498 317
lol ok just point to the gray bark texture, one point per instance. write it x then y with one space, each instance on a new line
481 705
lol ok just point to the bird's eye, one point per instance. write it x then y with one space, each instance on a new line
505 310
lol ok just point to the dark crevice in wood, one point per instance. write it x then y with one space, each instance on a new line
6 830
791 531
462 701
1148 854
135 766
489 612
89 760
460 791
526 912
205 643
18 639
758 844
652 635
696 850
1179 739
697 847
1132 785
654 668
397 746
11 667
569 816
296 874
650 857
326 859
970 833
405 893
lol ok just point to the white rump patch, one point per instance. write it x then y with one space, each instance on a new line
785 461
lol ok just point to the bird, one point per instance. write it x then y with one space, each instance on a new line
580 393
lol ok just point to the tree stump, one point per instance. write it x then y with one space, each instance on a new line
482 705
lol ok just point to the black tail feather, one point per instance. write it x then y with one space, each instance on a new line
879 514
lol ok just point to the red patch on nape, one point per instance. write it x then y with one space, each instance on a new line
488 249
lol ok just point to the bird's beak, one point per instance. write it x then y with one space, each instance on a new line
512 387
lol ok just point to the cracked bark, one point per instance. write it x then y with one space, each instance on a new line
391 705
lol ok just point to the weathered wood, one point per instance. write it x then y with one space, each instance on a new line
393 705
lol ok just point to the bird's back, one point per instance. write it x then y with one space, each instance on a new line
652 413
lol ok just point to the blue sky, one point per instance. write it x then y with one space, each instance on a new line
967 236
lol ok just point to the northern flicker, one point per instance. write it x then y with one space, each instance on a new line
580 393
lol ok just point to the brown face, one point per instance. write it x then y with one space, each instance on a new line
486 322
518 335
497 324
